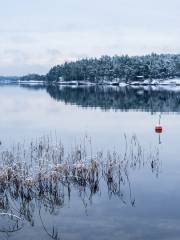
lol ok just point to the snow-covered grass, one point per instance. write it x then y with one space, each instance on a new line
34 167
42 175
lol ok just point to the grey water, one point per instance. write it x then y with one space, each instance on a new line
105 114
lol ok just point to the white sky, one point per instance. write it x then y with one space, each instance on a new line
37 34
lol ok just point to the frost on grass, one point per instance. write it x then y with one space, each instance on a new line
44 174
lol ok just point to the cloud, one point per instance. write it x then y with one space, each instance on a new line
12 56
13 62
42 33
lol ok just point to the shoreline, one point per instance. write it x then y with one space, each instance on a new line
155 82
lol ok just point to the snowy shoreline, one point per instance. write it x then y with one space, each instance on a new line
154 82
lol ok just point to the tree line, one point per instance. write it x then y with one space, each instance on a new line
122 68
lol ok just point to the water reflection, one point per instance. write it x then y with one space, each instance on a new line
37 180
151 99
128 204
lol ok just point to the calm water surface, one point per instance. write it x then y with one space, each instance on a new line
104 114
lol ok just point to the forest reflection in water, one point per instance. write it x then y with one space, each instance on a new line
150 99
38 179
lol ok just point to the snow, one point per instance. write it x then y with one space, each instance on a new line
31 82
159 82
123 84
175 81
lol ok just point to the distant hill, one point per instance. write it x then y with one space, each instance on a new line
33 77
9 78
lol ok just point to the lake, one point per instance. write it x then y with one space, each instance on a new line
146 206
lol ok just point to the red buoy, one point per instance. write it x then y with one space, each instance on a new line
158 129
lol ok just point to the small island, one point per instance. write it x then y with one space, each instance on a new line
150 69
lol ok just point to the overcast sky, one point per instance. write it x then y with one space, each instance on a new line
37 34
